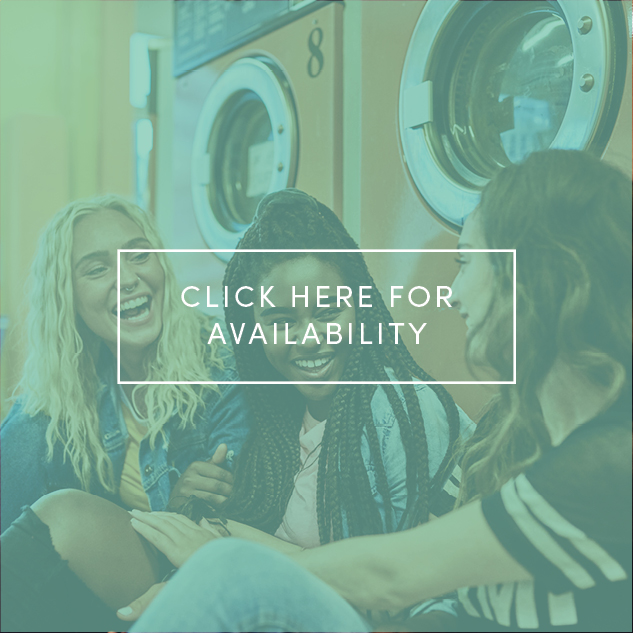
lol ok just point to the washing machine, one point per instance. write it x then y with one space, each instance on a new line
258 117
453 91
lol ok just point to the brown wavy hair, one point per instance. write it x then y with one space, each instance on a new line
568 215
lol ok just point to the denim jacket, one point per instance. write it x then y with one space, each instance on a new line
27 474
394 460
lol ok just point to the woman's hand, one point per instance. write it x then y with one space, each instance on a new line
207 480
136 608
174 535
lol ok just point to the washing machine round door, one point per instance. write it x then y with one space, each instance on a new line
245 146
484 84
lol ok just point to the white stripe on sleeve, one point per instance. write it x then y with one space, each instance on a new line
451 488
525 605
500 597
462 595
562 609
554 521
482 598
542 540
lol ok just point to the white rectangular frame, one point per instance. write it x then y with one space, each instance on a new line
323 382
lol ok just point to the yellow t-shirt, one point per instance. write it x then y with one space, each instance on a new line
131 491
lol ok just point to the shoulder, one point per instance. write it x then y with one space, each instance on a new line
587 479
599 451
432 409
579 495
18 418
221 359
382 401
435 417
23 432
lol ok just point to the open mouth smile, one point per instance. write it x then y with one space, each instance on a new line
314 367
135 309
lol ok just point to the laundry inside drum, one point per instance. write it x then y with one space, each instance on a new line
241 150
509 87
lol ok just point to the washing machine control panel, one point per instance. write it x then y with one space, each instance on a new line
206 30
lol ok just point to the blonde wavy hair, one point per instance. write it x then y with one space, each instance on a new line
60 378
568 215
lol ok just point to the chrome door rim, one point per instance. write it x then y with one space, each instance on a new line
452 200
261 76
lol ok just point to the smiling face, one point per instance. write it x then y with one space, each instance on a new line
96 239
473 286
309 360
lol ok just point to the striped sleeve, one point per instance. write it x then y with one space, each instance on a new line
567 518
443 500
557 553
554 551
444 497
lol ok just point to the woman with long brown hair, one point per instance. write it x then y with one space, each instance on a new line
541 538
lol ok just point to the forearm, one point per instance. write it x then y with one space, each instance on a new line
395 571
240 530
356 569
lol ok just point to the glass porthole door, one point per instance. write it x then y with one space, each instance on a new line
245 147
485 84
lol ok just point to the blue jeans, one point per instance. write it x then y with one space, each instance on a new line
234 585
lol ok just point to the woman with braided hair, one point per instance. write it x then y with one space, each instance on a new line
327 461
356 493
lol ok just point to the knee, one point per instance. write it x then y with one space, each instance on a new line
234 560
72 516
226 552
227 571
57 506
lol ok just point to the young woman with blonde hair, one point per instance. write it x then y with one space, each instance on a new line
72 426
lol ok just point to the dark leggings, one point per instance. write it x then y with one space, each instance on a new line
69 562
